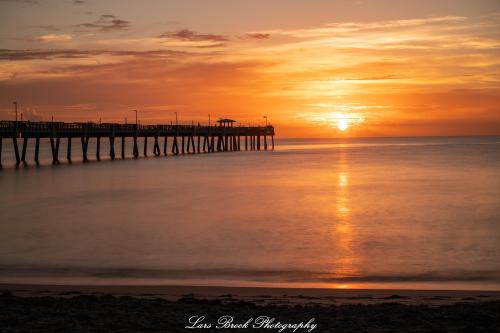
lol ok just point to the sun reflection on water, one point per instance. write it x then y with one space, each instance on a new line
343 233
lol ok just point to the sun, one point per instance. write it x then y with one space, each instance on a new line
342 121
342 124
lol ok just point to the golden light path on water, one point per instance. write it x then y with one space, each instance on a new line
345 264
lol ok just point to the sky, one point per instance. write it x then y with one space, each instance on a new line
315 68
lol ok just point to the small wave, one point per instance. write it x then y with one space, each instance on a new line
244 274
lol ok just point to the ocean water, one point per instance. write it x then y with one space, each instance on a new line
351 213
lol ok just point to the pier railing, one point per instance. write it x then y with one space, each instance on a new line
209 138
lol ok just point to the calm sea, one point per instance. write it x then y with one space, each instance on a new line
358 213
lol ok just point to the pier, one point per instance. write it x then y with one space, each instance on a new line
166 139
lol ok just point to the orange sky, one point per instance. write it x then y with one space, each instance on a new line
421 69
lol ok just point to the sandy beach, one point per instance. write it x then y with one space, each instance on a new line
42 308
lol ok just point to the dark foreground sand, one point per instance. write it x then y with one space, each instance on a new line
160 309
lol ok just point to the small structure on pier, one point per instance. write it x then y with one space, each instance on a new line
225 122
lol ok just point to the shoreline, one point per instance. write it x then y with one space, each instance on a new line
133 309
261 295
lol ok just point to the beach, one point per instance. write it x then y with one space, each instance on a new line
42 308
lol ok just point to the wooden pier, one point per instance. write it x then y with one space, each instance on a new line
176 139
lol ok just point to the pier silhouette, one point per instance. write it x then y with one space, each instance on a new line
178 139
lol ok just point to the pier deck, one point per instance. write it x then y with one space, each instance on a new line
184 138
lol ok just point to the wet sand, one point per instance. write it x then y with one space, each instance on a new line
38 308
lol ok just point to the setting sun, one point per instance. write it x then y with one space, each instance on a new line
341 120
342 125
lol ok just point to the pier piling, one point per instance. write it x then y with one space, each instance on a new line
193 148
85 144
54 145
123 147
23 154
53 149
37 149
68 153
112 147
58 141
175 146
156 147
16 151
136 148
98 149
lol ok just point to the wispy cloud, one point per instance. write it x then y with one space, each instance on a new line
54 38
48 27
106 23
189 38
334 29
79 107
257 35
189 35
31 114
30 2
22 55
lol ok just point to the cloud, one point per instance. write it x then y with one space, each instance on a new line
31 114
414 67
257 35
79 107
192 36
114 84
79 2
106 23
29 2
54 38
349 28
210 46
21 55
48 27
27 113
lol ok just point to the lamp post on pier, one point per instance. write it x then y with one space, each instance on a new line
15 108
265 117
176 120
